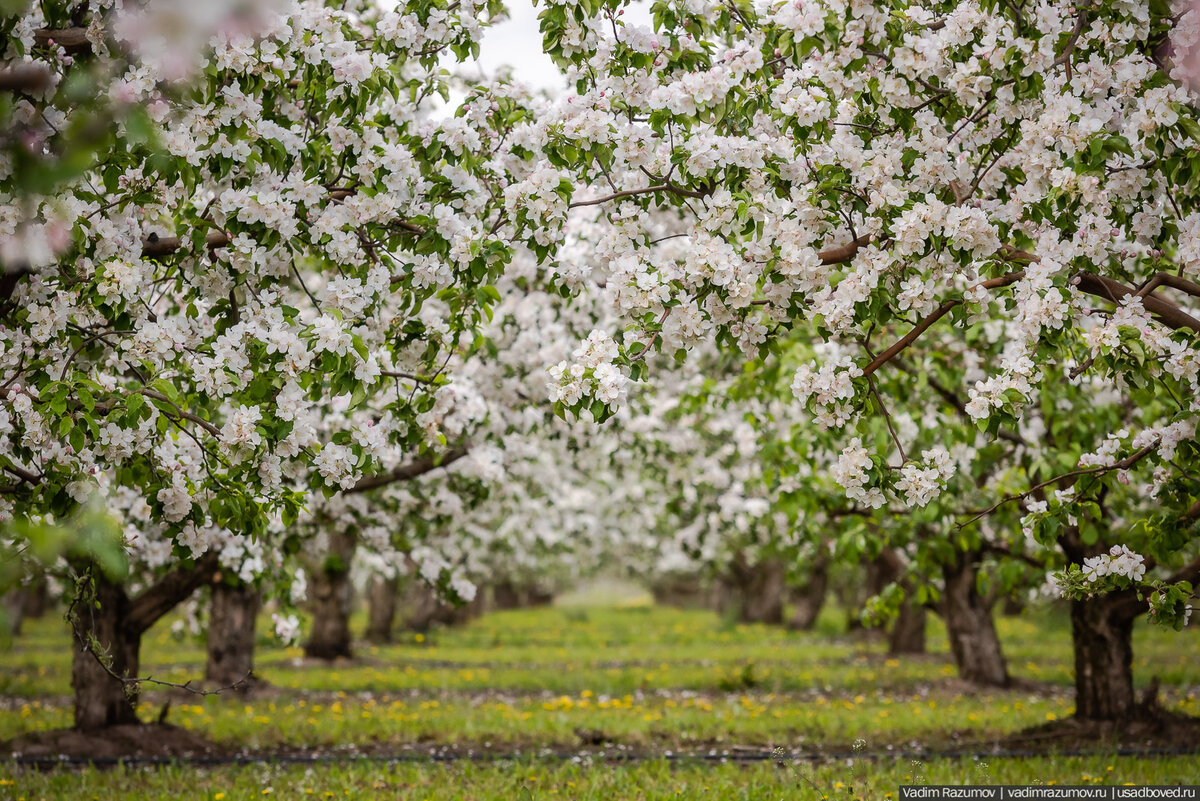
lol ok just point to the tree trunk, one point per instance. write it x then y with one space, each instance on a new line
381 608
26 602
854 592
423 608
113 626
100 699
420 606
14 604
908 630
969 625
1013 606
810 599
232 616
333 600
536 596
1102 632
510 595
37 599
681 592
753 593
451 615
505 595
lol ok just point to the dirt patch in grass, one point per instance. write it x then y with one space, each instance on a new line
145 741
1151 728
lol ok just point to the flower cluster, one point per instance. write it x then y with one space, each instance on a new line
851 472
920 484
829 387
1118 562
287 627
591 373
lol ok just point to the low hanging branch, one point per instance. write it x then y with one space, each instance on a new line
1161 309
169 591
72 40
1123 464
25 78
410 471
937 314
150 606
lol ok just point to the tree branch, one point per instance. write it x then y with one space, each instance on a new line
1123 464
169 591
200 421
666 186
1162 310
1114 291
410 471
72 40
156 247
25 78
843 253
937 314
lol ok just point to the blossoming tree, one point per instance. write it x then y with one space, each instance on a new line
237 265
879 174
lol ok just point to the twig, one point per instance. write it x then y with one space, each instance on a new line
937 314
1123 464
1064 58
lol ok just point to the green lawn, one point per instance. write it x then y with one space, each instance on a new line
649 780
648 680
615 651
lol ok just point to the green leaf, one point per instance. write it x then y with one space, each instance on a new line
134 404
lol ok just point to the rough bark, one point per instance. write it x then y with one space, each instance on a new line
969 624
382 595
752 593
333 600
113 627
14 605
1102 633
505 595
100 699
810 599
908 630
681 592
26 602
232 614
423 609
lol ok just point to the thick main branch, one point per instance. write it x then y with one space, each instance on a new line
413 469
937 314
169 591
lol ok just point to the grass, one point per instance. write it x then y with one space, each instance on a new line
581 782
650 680
614 651
675 720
